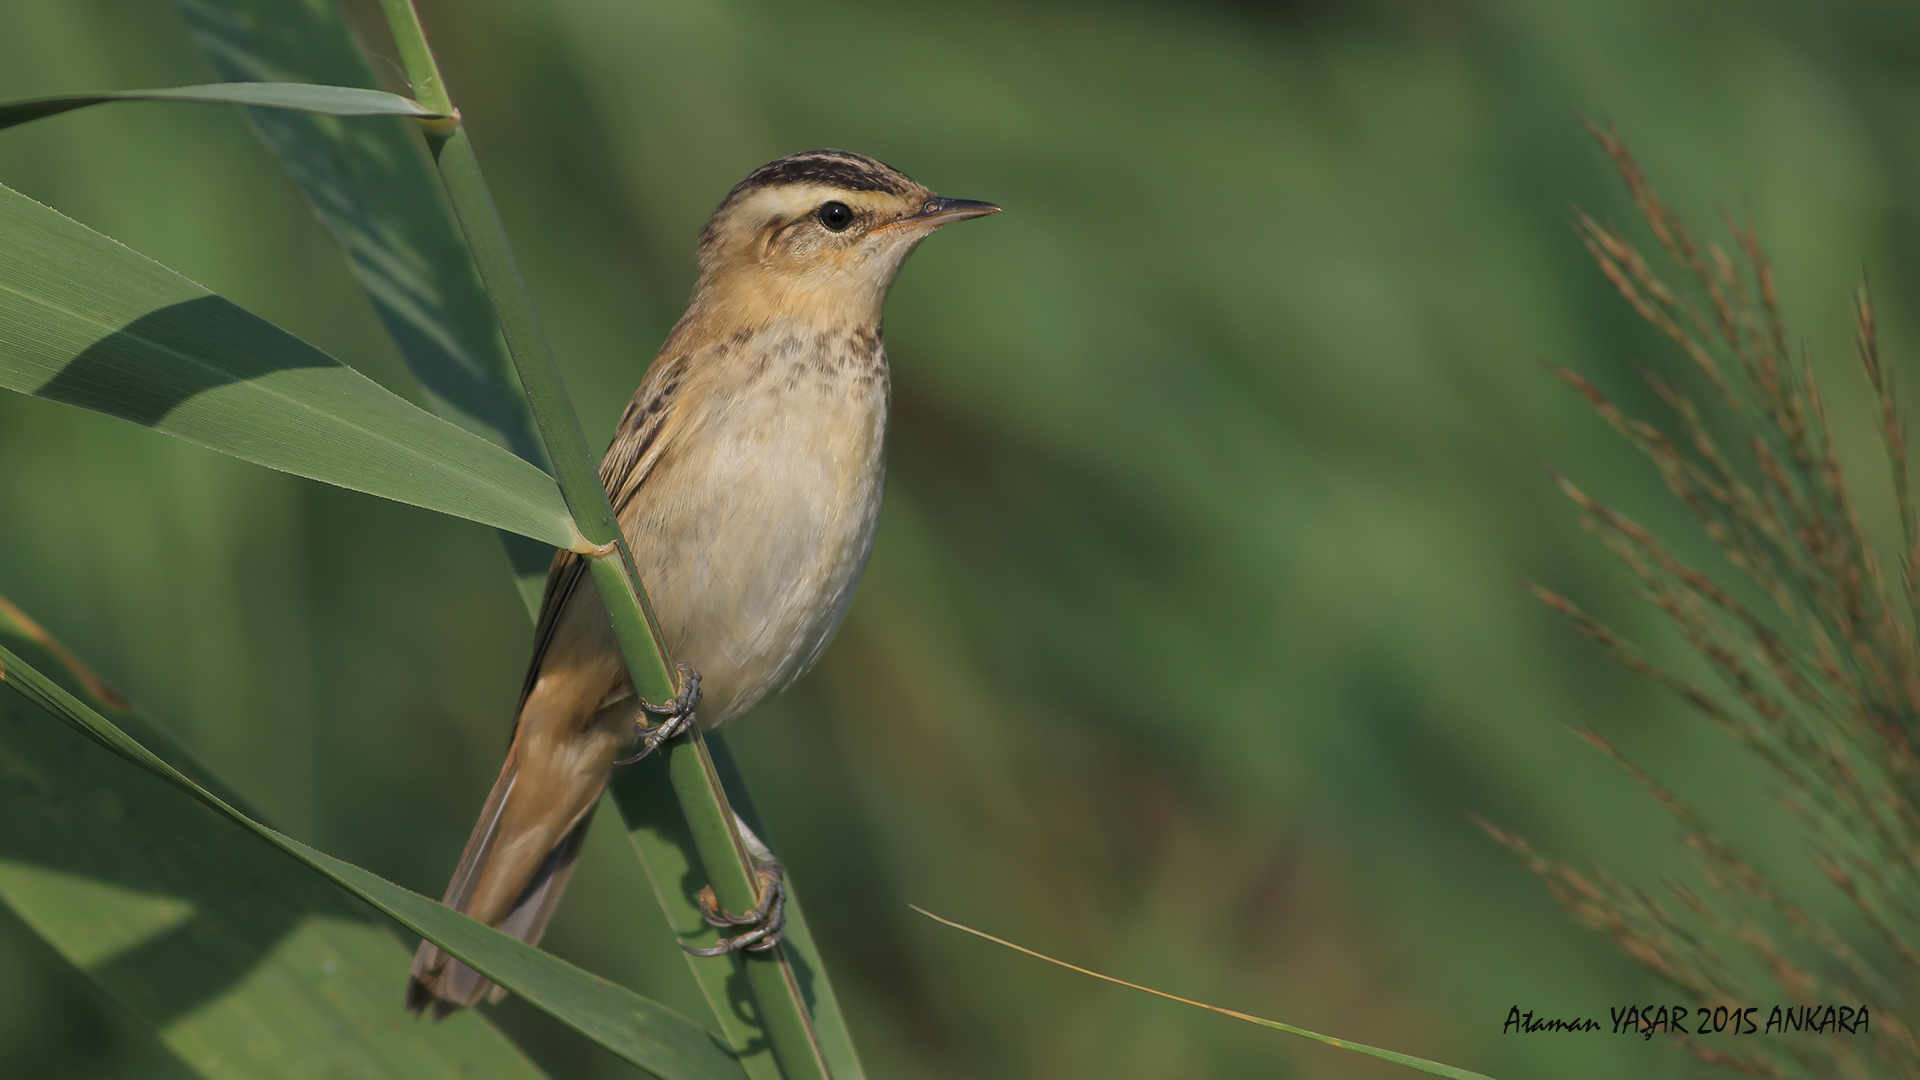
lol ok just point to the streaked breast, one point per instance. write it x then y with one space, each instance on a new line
755 525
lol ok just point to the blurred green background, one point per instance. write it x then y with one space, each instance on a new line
1195 628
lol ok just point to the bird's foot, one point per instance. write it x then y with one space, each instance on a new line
676 715
768 919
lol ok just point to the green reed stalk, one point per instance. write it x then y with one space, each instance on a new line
695 783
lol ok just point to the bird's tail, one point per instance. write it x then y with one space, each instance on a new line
444 982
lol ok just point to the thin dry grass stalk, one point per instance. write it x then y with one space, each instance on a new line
1821 681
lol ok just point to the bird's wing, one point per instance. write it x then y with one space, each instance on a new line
438 978
643 430
637 444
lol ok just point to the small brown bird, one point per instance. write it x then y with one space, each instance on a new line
746 474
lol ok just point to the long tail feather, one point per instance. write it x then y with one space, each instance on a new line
444 982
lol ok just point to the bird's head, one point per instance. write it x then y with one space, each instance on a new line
820 235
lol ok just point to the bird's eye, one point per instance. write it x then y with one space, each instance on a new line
836 216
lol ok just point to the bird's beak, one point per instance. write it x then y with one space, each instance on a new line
939 211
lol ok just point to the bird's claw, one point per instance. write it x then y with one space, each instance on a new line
768 918
676 715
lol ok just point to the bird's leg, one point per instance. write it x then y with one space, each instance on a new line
768 917
676 715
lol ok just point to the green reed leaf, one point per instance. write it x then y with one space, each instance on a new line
300 97
89 322
245 964
643 1032
371 184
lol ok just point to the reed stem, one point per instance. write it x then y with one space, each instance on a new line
770 978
